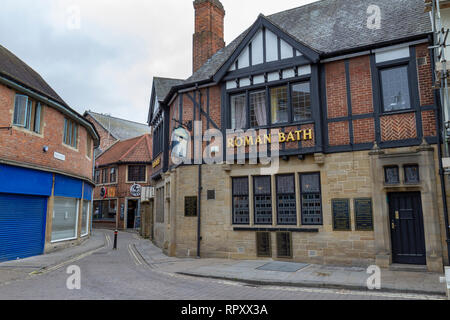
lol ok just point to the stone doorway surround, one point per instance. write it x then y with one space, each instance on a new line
423 156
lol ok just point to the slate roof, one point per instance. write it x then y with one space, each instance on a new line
163 86
119 128
330 26
135 150
16 70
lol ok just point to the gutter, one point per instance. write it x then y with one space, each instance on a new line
63 109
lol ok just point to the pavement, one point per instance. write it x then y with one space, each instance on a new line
140 270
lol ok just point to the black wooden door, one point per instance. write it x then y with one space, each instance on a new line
407 231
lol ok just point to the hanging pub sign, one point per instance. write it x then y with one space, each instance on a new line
341 214
136 190
363 214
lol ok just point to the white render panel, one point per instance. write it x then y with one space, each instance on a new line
231 84
271 46
298 53
286 50
258 79
288 73
258 49
243 60
244 82
392 55
304 70
273 76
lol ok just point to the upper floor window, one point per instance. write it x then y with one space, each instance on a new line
97 177
395 88
286 104
89 146
27 113
137 173
105 176
113 175
70 133
158 139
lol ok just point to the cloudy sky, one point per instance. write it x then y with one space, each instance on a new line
101 55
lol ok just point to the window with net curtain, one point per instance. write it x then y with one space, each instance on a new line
238 111
279 103
258 110
64 222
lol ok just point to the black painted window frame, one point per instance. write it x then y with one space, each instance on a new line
386 181
405 167
158 139
255 202
278 194
302 192
234 196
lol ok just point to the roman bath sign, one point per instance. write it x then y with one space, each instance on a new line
341 214
283 137
363 214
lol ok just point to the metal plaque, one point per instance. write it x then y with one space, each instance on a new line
341 214
363 214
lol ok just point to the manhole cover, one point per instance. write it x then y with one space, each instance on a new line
283 266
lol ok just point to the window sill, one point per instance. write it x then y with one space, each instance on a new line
390 113
70 147
29 132
63 240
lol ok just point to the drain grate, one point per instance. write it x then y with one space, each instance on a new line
283 266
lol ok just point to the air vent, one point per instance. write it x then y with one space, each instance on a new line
284 245
263 245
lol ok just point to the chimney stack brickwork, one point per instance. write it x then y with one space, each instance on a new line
209 31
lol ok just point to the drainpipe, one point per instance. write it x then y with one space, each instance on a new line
200 187
441 166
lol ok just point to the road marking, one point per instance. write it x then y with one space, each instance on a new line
108 240
133 255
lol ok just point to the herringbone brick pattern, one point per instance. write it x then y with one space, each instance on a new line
398 127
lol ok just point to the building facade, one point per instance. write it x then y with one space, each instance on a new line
121 173
46 165
345 98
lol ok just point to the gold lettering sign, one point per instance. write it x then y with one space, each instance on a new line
293 136
156 163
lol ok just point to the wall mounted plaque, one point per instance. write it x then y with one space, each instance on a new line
341 214
363 214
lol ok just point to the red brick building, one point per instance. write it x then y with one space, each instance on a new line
347 87
46 165
121 172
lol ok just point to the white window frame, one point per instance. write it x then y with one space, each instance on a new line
20 125
76 224
87 217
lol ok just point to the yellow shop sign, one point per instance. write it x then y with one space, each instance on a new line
283 137
156 163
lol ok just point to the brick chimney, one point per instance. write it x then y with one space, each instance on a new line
209 30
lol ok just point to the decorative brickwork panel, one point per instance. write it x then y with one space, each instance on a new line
336 90
361 85
429 123
398 127
338 133
364 131
425 76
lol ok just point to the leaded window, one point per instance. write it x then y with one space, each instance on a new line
286 200
238 111
190 206
391 175
137 173
412 174
258 110
301 101
113 175
311 199
105 176
263 200
241 210
279 104
395 88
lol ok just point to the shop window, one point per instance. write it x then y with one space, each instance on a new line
70 133
137 173
391 175
105 210
301 101
190 206
279 104
395 88
311 199
85 218
241 209
238 111
65 219
27 114
412 174
258 110
97 177
286 200
263 200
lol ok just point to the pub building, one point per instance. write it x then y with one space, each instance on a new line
351 94
120 174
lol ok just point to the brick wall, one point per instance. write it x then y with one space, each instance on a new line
106 140
424 75
361 85
336 89
24 146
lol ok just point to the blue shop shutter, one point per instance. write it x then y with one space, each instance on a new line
22 226
68 187
25 181
87 194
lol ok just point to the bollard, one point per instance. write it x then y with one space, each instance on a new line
115 240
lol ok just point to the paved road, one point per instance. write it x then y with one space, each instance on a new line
122 274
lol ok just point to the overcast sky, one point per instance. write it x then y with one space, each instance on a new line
105 59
